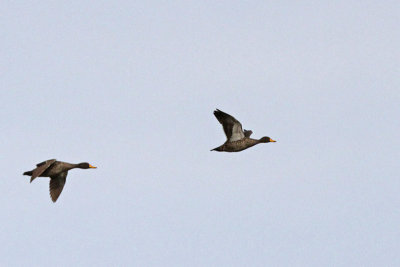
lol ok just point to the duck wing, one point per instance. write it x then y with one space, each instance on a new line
41 167
232 127
57 184
247 133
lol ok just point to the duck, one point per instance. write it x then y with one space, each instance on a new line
57 171
237 138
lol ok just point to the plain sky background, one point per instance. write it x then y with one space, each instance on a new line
130 87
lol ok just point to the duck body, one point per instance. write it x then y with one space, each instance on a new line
57 171
53 168
237 138
238 145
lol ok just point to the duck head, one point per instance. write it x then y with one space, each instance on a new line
266 139
85 165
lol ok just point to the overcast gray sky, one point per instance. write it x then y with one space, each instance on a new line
131 87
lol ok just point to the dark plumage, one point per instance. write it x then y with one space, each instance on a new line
57 171
237 139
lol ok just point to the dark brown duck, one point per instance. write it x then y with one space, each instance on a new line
237 139
57 171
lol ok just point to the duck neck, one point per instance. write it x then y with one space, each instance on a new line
70 166
255 141
252 142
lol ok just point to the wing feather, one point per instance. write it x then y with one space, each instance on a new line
41 167
247 133
232 127
57 184
44 162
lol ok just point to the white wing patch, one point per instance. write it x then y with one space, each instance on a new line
237 133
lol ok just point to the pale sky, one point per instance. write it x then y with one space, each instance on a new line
130 87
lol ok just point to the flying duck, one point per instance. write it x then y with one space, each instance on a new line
57 171
237 139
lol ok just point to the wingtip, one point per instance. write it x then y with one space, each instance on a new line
52 199
217 112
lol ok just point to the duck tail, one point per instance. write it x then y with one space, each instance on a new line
216 149
28 173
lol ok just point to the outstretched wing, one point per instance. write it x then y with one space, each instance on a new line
232 127
57 184
41 167
247 133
